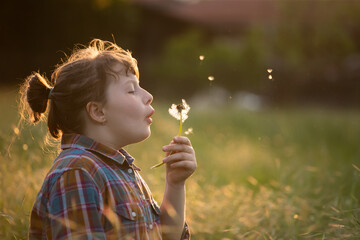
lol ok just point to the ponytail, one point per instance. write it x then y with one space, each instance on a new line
35 95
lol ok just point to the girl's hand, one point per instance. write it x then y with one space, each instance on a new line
181 164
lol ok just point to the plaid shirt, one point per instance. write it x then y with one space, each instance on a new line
95 192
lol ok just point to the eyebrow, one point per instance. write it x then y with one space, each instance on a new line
132 81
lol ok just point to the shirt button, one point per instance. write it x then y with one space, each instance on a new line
151 226
130 170
133 214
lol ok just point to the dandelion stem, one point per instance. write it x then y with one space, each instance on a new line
180 129
157 165
180 125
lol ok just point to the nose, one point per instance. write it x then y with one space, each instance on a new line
149 98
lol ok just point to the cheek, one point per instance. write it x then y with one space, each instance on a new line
123 112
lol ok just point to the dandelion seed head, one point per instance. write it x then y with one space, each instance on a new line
269 70
177 110
296 216
179 107
270 77
201 57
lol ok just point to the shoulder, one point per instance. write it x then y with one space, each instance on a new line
70 159
80 161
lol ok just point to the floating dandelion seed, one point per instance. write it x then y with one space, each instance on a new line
179 112
269 70
296 216
211 78
201 57
189 131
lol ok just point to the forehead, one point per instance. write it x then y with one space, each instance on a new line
119 74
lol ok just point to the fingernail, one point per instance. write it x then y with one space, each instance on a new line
164 148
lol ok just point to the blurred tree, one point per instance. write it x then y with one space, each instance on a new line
36 34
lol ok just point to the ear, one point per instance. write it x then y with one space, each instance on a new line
95 112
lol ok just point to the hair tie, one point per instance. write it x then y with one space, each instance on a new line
51 90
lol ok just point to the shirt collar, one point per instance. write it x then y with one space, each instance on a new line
73 140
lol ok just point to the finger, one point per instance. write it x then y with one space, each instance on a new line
178 148
172 142
182 164
177 157
168 152
182 140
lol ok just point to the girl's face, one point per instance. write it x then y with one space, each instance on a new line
128 110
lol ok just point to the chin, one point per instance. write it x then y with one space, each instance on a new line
145 135
148 134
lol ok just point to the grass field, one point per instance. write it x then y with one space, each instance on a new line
275 174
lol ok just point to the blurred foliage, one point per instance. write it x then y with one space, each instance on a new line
314 56
234 64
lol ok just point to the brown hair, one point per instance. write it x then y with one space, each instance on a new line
82 78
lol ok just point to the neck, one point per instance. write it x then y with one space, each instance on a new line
102 135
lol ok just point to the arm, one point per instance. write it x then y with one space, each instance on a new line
173 211
180 165
75 207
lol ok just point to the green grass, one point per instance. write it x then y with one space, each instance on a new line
275 174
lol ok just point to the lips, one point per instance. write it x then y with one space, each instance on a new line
152 112
148 117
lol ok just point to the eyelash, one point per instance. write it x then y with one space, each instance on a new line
133 92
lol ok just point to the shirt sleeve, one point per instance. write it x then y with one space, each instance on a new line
186 232
74 208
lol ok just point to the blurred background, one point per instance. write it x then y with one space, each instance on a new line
274 87
312 46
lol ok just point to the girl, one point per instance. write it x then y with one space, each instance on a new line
93 189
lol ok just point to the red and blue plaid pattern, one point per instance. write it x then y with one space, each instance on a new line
95 192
